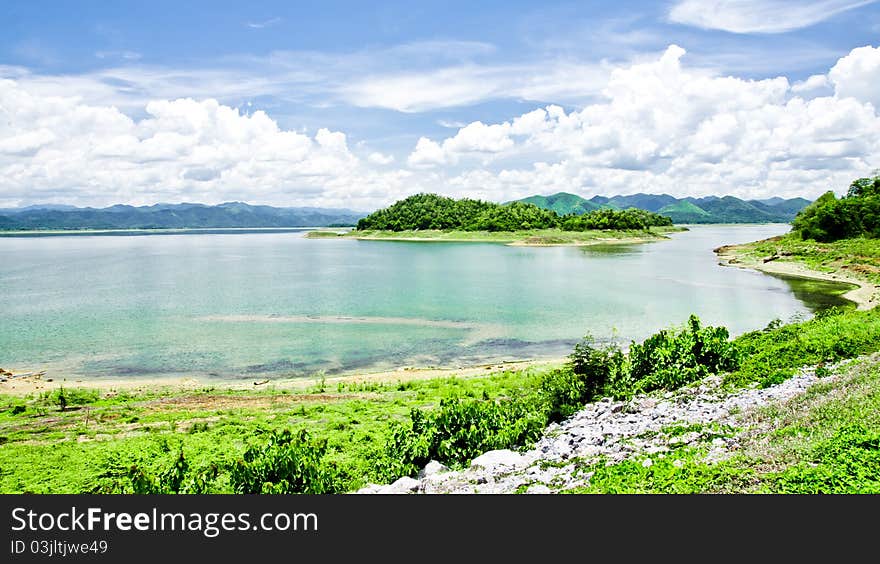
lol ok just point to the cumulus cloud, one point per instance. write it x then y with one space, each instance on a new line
666 128
656 126
57 148
758 16
380 158
858 75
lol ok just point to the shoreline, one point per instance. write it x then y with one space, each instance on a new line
33 382
864 295
536 238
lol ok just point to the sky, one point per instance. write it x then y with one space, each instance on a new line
359 104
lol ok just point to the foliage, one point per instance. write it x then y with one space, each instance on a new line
672 359
710 209
856 214
430 211
174 216
288 463
591 373
459 430
177 478
70 396
614 219
774 353
848 462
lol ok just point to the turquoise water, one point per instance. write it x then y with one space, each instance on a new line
245 305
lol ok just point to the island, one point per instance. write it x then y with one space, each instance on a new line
430 217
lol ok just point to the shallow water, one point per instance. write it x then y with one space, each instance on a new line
279 305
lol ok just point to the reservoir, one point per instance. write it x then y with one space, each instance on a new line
279 305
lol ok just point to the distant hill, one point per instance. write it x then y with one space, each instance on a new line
563 203
709 209
173 216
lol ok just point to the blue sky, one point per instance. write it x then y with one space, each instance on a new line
388 74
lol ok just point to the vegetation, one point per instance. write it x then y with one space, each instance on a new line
710 209
172 216
433 212
825 441
858 256
521 237
227 441
855 215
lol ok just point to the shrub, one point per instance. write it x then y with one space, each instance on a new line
670 359
176 479
288 463
773 354
459 430
591 372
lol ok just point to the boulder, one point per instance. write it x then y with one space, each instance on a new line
405 485
432 468
497 459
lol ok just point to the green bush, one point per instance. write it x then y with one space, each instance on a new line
590 373
71 396
288 463
177 478
459 430
773 354
855 215
670 359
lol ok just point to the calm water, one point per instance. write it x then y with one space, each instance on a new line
277 304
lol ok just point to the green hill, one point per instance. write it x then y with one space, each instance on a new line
173 216
708 209
563 203
685 212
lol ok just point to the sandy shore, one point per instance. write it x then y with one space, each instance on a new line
30 383
865 295
521 242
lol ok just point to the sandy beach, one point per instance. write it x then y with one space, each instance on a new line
23 384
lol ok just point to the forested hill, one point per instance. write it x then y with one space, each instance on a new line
711 209
173 216
430 211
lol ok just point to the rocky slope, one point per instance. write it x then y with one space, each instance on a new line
643 428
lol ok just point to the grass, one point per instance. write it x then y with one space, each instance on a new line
89 446
824 441
859 257
528 237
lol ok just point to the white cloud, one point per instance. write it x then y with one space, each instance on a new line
380 158
467 84
427 153
656 126
666 128
264 24
858 75
815 84
758 16
59 149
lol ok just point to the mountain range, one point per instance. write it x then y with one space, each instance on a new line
173 216
709 209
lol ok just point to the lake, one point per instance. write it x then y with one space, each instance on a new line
272 305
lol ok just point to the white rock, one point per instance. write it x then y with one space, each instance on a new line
538 489
497 458
432 468
405 485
